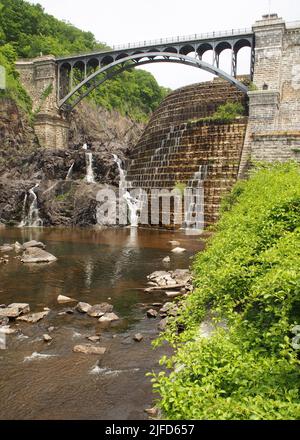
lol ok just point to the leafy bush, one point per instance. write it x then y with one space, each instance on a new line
13 90
248 278
228 112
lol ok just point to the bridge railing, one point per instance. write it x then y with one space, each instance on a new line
183 38
170 40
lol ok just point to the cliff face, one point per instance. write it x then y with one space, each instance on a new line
23 163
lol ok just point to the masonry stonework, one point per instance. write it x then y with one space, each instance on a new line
39 77
273 131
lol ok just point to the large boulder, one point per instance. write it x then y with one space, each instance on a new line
99 310
37 255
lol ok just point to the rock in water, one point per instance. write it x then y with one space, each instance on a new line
99 310
162 324
32 244
10 312
178 250
109 317
152 313
83 307
23 307
47 338
94 338
33 318
6 330
138 337
89 349
37 255
61 299
6 248
18 246
167 260
174 243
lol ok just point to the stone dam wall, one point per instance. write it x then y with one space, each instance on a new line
178 146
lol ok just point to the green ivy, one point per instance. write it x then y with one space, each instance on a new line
249 279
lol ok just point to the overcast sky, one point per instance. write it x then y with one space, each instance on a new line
123 21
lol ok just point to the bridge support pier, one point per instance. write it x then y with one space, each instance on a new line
273 132
39 78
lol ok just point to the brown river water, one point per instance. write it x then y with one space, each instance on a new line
49 381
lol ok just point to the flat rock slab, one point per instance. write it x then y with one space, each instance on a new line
171 294
61 299
6 248
33 243
98 310
23 307
89 349
37 255
109 317
33 318
10 312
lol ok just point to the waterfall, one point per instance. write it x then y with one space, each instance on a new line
22 224
194 208
134 205
89 168
32 220
69 174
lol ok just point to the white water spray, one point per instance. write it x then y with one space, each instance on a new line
32 220
134 205
70 171
89 168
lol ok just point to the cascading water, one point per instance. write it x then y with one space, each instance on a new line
194 209
70 171
89 168
134 205
32 220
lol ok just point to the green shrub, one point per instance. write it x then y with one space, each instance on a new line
249 278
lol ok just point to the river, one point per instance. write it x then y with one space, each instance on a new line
93 266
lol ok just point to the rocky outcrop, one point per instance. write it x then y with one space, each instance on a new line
23 163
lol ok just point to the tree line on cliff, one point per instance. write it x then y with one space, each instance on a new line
26 31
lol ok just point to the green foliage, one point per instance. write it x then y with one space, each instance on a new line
227 112
181 186
29 31
13 90
248 278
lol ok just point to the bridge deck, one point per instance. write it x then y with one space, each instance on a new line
178 40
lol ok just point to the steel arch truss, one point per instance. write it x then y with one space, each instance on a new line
122 63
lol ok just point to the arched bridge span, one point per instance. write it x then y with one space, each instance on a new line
80 74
